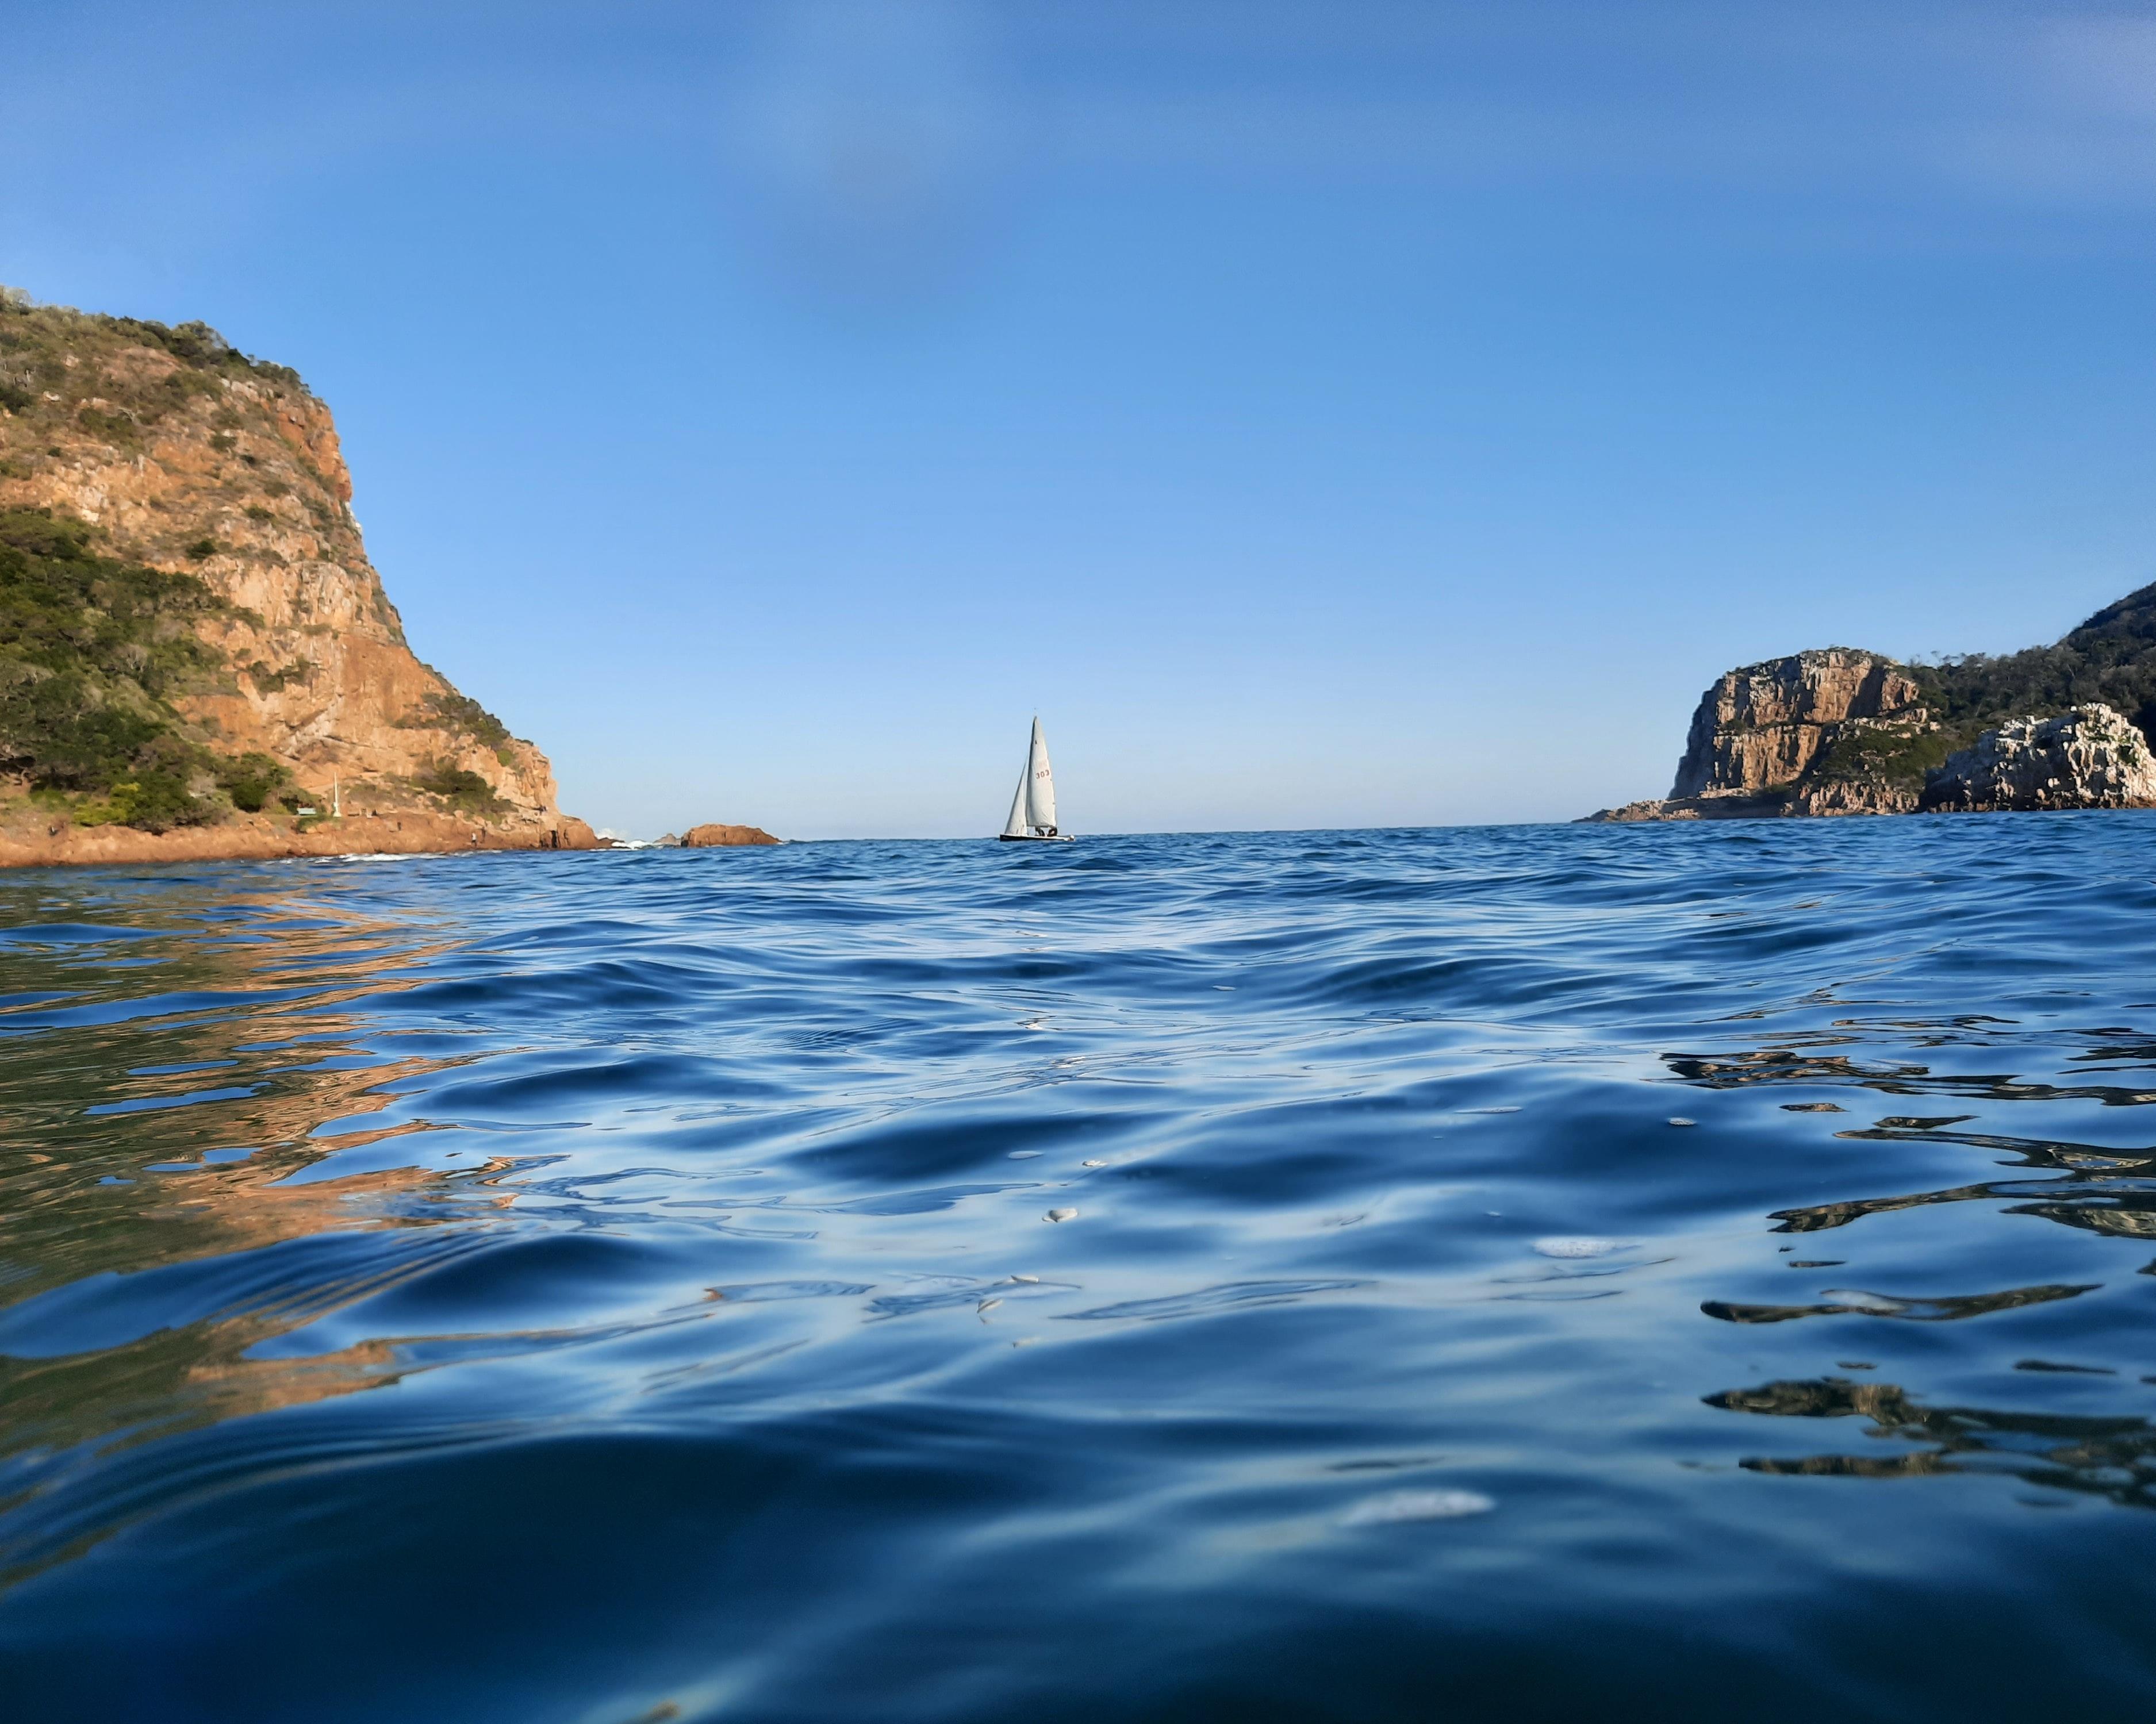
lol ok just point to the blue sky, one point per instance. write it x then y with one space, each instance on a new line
1341 413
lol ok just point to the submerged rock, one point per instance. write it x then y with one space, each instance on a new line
2087 757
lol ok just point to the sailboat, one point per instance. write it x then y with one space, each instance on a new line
1032 809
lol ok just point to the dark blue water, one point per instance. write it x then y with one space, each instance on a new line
1524 1273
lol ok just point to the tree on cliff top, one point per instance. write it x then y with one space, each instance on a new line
2111 658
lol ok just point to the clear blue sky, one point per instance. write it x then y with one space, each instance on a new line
1319 413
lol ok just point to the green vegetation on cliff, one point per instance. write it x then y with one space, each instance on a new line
2111 658
1899 758
37 381
464 791
92 651
462 715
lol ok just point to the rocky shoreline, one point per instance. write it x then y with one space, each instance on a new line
254 838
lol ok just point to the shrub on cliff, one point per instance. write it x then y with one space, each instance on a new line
462 789
460 715
251 780
1882 754
91 649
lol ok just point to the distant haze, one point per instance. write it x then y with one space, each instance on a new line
1320 414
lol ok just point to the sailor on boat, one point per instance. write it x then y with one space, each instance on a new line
1032 809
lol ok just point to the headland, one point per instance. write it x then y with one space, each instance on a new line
1837 730
197 659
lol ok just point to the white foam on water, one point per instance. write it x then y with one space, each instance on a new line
1581 1246
1397 1506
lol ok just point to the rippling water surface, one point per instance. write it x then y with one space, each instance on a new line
1511 1272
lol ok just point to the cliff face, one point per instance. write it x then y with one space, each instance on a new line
1763 726
185 457
1828 732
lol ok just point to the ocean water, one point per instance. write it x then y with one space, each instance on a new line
1516 1273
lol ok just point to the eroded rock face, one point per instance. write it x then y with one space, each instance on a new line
235 475
2089 758
1832 732
1761 727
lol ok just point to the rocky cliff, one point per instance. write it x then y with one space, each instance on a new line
1840 731
232 660
1829 731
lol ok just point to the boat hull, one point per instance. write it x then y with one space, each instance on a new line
1037 837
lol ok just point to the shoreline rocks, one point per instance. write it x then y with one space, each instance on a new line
255 839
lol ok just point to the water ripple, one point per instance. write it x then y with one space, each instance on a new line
911 1282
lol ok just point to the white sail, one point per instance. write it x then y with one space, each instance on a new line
1015 826
1039 783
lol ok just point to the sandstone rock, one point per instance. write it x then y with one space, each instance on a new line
706 837
2087 757
1823 732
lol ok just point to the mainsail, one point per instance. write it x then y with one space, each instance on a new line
1040 783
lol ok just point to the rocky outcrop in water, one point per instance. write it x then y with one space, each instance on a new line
715 835
2089 757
